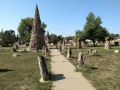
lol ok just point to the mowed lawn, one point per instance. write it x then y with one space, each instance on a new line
22 72
103 71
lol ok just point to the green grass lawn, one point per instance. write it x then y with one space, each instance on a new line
103 71
22 72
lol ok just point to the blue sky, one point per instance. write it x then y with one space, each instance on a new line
62 17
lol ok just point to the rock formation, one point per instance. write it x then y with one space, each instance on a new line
37 33
79 43
43 68
69 52
81 60
47 38
107 43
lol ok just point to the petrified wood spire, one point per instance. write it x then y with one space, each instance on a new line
37 33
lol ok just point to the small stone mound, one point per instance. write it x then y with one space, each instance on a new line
116 51
15 55
13 50
92 52
23 50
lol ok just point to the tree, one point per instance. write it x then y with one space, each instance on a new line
8 37
101 33
25 27
43 25
79 34
53 38
113 36
93 29
1 33
59 37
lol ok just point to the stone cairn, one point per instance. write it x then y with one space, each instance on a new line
47 38
23 50
43 68
63 42
63 48
15 55
13 50
37 33
69 52
16 46
60 47
60 42
45 50
79 43
81 60
107 43
19 42
92 52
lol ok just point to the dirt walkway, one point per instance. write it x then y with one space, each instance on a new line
65 78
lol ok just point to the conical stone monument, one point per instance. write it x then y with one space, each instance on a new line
37 33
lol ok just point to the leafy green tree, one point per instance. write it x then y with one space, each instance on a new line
43 25
112 36
79 34
59 37
25 27
93 29
1 33
101 33
8 37
53 38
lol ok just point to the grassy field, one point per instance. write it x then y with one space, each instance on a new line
103 71
22 72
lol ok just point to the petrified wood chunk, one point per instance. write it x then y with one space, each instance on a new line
43 68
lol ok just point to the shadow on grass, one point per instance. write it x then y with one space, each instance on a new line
93 68
95 55
94 46
57 77
86 69
74 57
72 48
5 70
53 48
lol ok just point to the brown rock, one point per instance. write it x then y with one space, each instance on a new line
37 34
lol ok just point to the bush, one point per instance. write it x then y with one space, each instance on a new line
6 43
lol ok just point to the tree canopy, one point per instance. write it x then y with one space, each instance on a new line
113 36
79 34
53 38
1 33
93 29
25 27
7 37
59 37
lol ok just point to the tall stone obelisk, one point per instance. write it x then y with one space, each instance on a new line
37 33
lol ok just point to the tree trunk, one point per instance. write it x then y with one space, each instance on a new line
94 42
